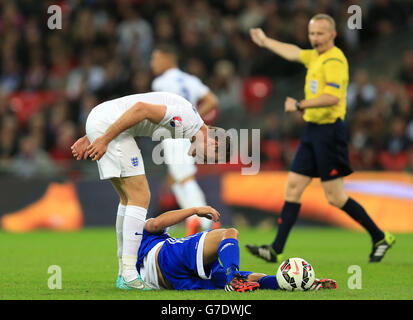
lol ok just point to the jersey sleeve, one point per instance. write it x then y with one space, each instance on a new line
197 88
156 85
305 56
335 73
181 117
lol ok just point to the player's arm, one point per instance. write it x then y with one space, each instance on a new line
287 51
171 218
138 112
324 100
208 103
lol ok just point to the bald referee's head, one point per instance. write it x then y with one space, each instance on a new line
322 32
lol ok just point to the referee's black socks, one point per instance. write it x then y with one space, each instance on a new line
357 212
288 217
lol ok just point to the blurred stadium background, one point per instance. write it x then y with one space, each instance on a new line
50 80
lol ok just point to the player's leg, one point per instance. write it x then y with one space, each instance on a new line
331 148
137 192
270 282
334 192
296 184
123 201
222 244
123 162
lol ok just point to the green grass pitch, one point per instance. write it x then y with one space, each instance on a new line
89 266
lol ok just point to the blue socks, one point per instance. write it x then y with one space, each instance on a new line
268 282
229 257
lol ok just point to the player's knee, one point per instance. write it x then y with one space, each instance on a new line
293 191
335 200
141 196
231 233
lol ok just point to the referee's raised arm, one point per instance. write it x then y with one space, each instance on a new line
288 51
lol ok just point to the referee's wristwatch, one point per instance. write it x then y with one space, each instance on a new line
298 106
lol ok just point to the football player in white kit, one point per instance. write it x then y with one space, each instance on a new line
181 166
110 130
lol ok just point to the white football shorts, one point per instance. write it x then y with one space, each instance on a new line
123 157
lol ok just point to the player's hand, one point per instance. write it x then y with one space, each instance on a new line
97 149
79 148
289 105
258 36
208 212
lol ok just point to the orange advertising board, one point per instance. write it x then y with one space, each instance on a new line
386 196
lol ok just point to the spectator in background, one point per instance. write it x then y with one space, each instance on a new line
8 138
361 92
396 142
394 153
59 114
227 86
86 77
385 17
135 35
37 128
65 137
409 132
368 159
116 81
406 71
36 75
87 102
11 76
164 30
31 161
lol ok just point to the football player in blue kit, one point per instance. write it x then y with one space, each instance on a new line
203 261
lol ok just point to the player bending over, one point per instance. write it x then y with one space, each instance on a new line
181 167
111 127
205 260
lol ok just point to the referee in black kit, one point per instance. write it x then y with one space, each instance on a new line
323 150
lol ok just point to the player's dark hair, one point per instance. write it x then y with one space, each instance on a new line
167 48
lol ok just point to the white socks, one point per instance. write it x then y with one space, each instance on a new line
119 233
189 195
133 224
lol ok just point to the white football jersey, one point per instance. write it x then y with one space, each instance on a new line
180 114
181 83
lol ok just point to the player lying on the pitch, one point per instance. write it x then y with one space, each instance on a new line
206 260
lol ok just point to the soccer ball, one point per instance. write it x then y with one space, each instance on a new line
295 274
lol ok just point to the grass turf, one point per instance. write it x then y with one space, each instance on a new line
89 266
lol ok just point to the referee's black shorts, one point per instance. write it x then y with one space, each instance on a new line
323 151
